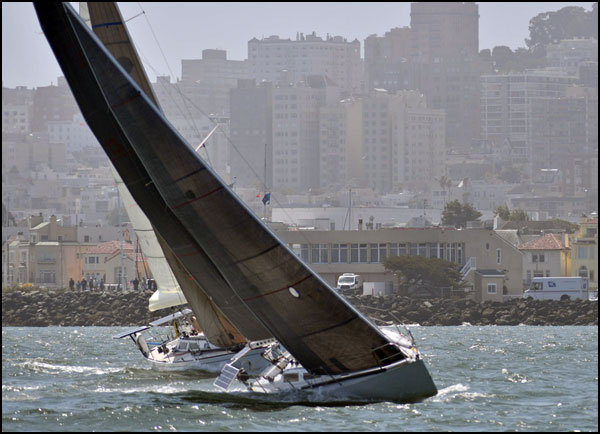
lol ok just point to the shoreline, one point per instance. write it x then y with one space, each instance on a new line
42 308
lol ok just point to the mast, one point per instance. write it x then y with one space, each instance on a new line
6 240
265 186
123 282
350 208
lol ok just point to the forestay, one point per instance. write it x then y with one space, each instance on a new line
203 222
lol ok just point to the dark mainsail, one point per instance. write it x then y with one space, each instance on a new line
250 275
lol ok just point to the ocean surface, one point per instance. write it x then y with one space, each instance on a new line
523 378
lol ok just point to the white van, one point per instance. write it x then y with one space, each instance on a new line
557 288
349 281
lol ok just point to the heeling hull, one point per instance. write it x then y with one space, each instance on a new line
402 382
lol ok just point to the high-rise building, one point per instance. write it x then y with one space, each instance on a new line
333 57
206 82
513 110
251 134
387 60
444 54
403 141
296 153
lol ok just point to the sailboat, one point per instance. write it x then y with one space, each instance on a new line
253 278
213 341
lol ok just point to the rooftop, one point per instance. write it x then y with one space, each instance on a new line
546 242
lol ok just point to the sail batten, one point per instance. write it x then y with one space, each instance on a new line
319 328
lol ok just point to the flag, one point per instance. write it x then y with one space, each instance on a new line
266 198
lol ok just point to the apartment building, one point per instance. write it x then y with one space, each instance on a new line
447 67
333 57
296 153
568 54
206 82
507 103
387 60
403 141
17 109
251 108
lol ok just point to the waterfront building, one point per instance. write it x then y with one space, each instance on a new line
584 251
103 261
48 257
332 253
546 256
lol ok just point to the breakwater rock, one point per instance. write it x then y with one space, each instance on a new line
450 312
86 308
130 308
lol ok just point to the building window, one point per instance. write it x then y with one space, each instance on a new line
452 253
358 253
339 253
491 288
582 252
378 253
583 271
498 256
301 250
528 276
319 254
413 248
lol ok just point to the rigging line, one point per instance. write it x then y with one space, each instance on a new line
191 122
185 97
135 16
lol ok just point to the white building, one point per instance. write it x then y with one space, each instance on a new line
333 56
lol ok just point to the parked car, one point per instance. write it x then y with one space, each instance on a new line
348 282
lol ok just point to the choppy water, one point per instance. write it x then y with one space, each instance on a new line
521 378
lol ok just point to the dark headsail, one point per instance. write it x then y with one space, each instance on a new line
211 232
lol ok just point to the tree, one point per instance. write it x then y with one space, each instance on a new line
458 214
419 270
444 182
518 215
112 218
503 212
553 26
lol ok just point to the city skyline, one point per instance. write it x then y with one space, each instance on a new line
30 62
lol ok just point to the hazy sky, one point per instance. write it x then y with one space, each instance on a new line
183 30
